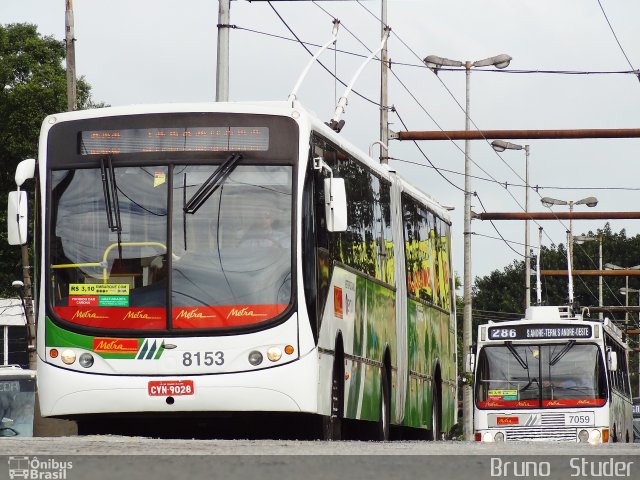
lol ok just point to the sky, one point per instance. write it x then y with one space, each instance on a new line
161 51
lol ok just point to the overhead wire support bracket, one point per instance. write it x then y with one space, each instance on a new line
335 123
334 37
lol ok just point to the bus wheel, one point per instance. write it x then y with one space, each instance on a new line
332 425
435 413
384 425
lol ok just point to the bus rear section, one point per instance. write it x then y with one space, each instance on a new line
168 265
547 378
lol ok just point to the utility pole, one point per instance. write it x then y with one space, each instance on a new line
222 69
71 57
384 72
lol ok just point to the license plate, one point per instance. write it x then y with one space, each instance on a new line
580 419
167 388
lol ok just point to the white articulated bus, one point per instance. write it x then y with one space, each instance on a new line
235 257
552 376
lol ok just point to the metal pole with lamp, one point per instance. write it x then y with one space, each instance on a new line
501 146
588 201
579 239
626 291
611 266
434 63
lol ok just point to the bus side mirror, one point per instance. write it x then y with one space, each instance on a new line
335 204
470 363
612 361
17 218
24 171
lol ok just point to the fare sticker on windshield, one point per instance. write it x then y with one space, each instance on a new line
159 178
99 289
503 394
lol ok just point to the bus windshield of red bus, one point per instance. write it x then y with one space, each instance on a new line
160 247
541 376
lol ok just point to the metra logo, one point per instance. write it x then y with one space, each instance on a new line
189 314
115 345
83 314
507 421
244 312
139 315
554 403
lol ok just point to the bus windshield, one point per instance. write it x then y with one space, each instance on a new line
128 249
534 376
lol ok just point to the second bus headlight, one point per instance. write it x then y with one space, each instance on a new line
68 356
274 354
86 360
255 358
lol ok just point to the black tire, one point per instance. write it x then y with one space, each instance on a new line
384 424
436 426
332 425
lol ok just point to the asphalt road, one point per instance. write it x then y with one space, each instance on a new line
132 458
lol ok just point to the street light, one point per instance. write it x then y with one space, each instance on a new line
434 63
626 291
611 266
580 239
588 201
501 146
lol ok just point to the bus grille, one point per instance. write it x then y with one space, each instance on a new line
551 427
553 433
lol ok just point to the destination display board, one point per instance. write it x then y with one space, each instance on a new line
539 332
169 139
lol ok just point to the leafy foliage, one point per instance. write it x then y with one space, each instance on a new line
504 291
32 86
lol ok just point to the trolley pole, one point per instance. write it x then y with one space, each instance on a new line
71 57
222 69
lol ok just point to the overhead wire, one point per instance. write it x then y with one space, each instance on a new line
319 62
486 140
445 69
616 38
505 184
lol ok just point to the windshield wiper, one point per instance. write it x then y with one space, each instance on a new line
110 191
562 353
212 183
517 356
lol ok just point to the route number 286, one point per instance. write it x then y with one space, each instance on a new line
497 333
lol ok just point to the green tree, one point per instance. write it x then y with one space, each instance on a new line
501 293
32 86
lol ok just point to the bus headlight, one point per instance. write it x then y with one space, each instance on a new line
255 358
86 360
595 436
487 437
583 436
274 354
68 356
